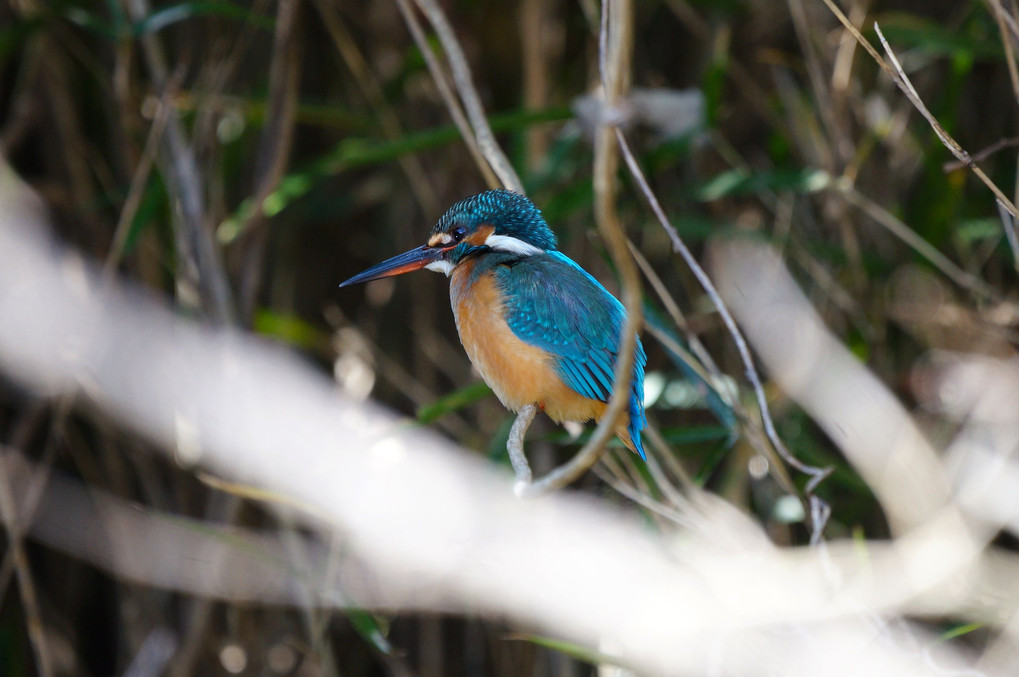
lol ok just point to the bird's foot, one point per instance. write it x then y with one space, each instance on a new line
515 448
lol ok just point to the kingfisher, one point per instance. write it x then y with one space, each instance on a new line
538 327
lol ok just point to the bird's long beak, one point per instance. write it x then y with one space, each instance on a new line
415 259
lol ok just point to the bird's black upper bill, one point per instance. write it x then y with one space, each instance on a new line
415 259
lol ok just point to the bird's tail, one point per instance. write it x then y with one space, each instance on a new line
637 424
629 428
638 421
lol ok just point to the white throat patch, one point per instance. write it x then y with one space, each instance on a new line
505 243
441 266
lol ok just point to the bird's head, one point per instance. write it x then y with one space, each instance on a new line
496 220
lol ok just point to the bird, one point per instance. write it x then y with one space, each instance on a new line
539 328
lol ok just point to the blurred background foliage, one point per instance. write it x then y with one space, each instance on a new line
307 140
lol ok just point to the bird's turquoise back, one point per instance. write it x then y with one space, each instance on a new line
554 304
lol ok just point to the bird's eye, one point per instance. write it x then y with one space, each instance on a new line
458 233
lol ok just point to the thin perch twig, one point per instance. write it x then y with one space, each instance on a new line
515 446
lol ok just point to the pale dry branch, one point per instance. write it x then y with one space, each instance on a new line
850 404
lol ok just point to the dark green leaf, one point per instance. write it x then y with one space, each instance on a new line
290 329
959 631
168 16
737 182
575 650
913 31
369 627
455 401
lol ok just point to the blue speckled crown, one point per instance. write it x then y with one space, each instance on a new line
512 215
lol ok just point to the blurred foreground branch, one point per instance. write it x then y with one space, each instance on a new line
435 528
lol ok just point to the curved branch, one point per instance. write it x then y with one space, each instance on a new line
614 46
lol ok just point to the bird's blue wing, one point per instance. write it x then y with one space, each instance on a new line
554 304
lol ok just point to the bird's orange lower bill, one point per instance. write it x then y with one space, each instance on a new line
415 259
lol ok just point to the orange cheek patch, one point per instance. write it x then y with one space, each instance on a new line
478 237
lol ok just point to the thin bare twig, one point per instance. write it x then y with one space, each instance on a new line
273 149
755 434
1008 224
640 498
817 508
26 587
468 94
654 435
448 96
369 85
201 269
703 363
139 179
668 489
903 232
1001 16
825 110
980 156
899 77
747 86
1007 220
1006 18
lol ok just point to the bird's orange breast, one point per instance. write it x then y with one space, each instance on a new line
518 372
